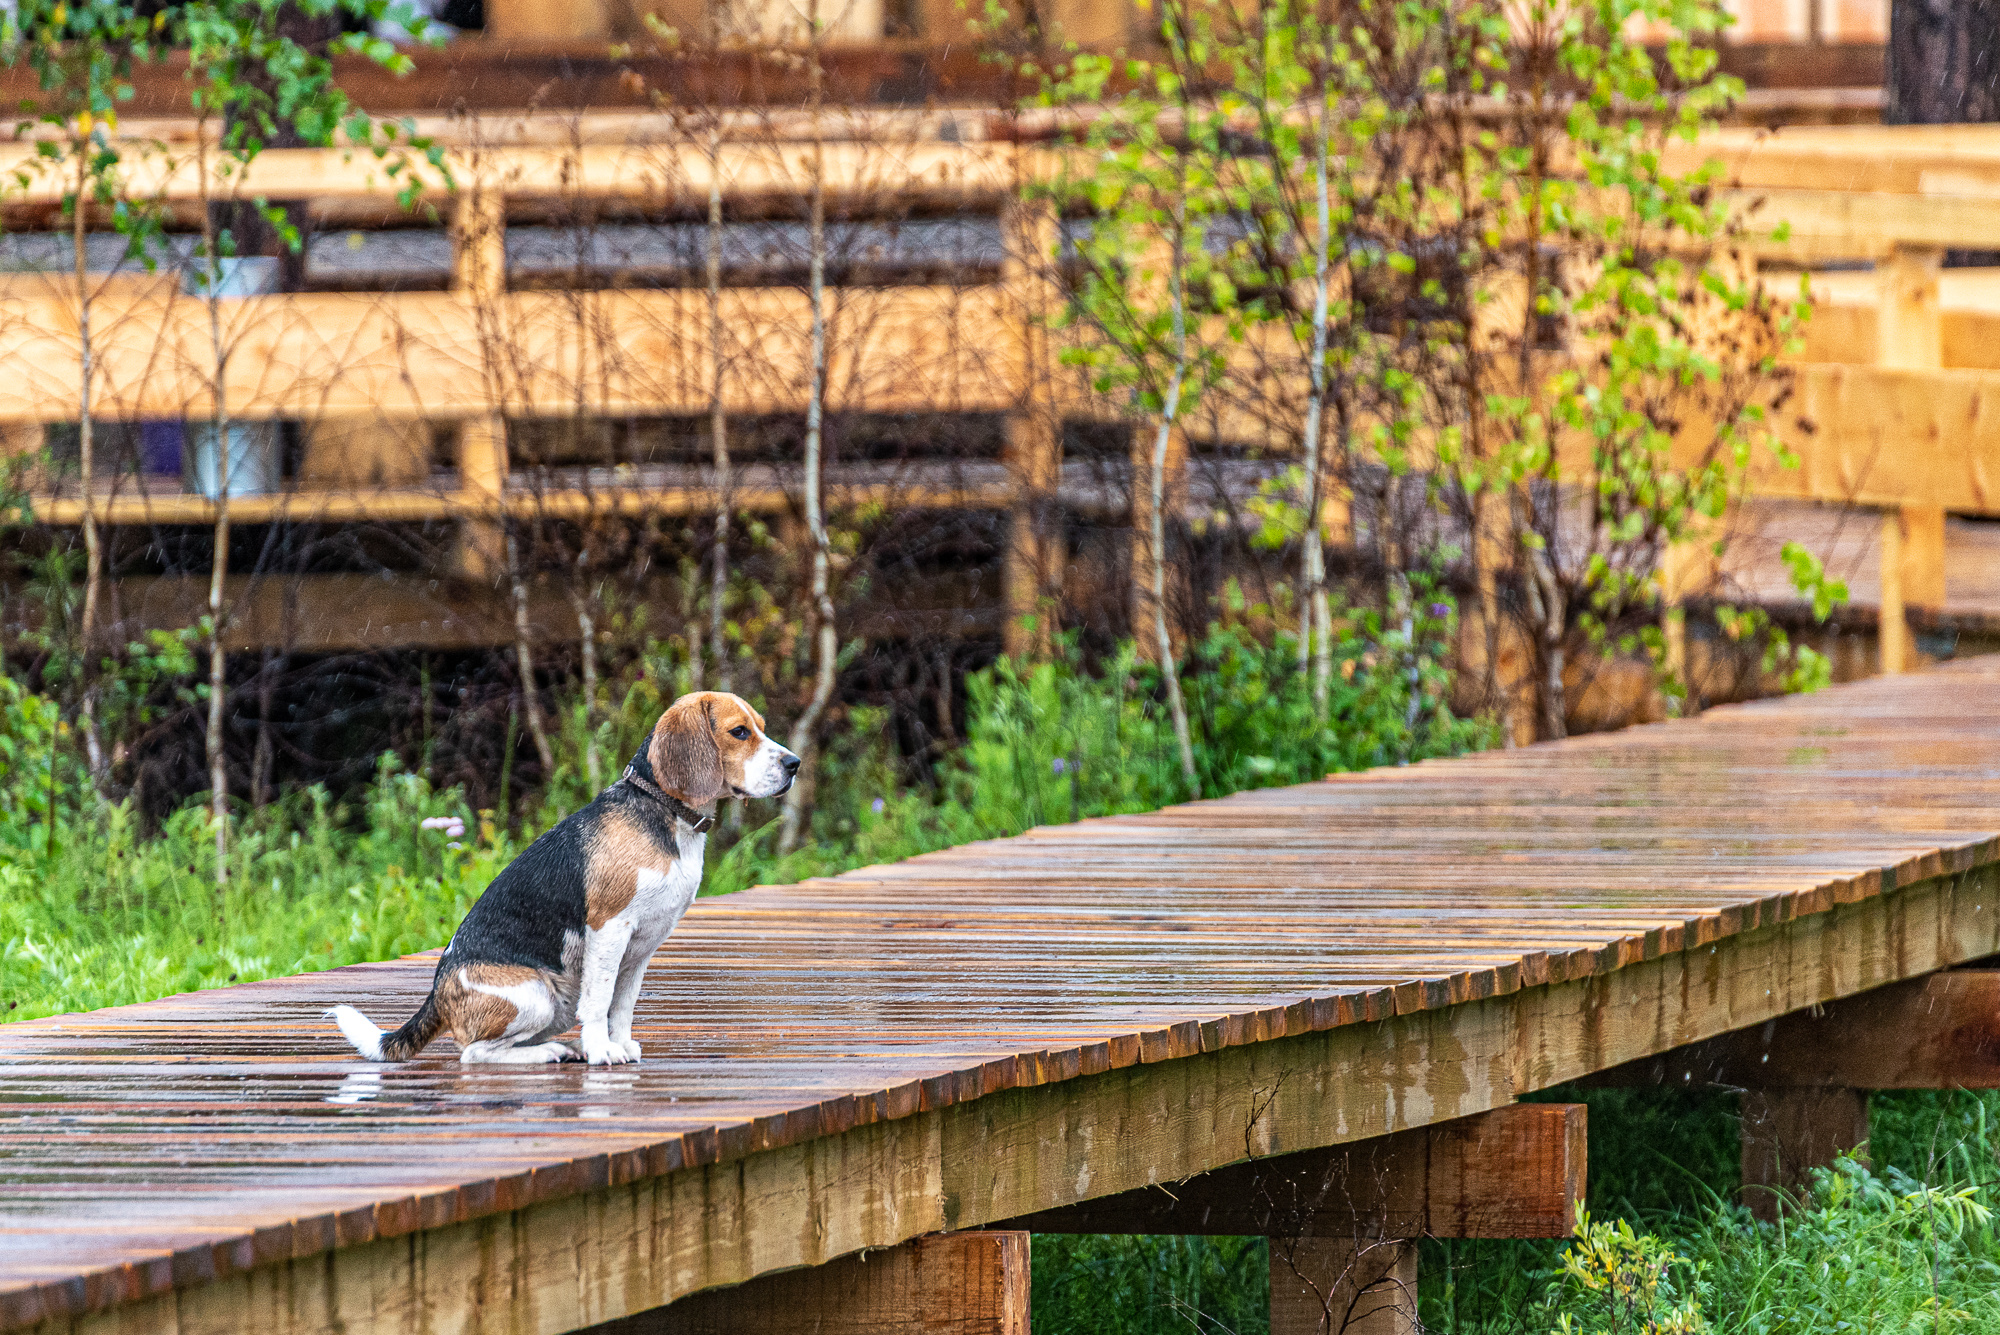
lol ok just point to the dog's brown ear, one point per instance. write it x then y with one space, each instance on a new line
685 760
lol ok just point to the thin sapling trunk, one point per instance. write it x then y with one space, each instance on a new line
827 647
1315 615
718 417
218 566
93 548
1169 413
524 659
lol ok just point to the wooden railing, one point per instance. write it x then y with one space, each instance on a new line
1894 382
1898 388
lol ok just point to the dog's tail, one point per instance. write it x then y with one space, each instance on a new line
405 1043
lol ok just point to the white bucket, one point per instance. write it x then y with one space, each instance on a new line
253 459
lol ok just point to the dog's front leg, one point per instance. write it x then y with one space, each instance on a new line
624 1001
603 951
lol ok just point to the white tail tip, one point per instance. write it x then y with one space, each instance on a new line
360 1031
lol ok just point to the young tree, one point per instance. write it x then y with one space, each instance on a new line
82 57
805 731
253 82
1147 177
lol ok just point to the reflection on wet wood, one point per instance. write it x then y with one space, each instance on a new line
1008 1027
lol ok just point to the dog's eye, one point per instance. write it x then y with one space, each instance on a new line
740 733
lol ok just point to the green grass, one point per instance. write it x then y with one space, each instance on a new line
1872 1252
94 914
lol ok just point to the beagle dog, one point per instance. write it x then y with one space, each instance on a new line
564 934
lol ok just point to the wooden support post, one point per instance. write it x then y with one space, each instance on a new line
1033 574
1513 666
1686 568
1912 559
1923 556
944 1284
1515 1172
479 271
1343 1286
1144 633
1807 1074
1892 629
1789 1132
1909 330
1909 335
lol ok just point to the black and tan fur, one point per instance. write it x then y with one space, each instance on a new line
563 935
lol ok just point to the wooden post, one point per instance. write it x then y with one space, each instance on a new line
944 1284
1144 633
1512 669
1892 630
1909 332
1909 335
479 272
1686 567
1343 1286
1033 574
1032 578
1789 1132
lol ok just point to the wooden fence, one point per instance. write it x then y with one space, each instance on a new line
1894 380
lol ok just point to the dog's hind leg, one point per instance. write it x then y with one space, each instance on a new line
496 1052
503 1014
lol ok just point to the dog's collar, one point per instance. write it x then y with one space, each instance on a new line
681 811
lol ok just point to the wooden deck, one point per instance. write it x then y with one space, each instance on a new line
1007 1027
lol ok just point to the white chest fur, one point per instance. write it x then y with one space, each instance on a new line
663 895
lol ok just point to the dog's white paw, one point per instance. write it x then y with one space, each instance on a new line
599 1049
631 1047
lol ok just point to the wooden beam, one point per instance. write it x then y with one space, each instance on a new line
1822 225
1789 1132
449 356
479 275
1910 336
644 174
1515 1172
1343 1286
944 1284
1886 438
395 506
547 21
1033 576
1937 1032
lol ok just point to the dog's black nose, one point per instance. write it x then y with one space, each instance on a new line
791 764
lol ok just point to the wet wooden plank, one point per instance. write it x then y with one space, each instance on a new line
1009 1027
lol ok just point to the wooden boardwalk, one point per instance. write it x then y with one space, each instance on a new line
1006 1027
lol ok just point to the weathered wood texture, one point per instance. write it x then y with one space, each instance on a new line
1515 1172
944 1284
1343 1286
1939 1032
1005 1028
1789 1132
